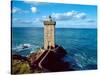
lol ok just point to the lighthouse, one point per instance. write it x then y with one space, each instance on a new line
49 33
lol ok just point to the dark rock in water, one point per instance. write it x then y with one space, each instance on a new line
55 64
60 52
19 57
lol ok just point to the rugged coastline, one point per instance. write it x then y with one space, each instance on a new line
41 61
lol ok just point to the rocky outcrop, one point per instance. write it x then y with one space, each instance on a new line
20 65
42 61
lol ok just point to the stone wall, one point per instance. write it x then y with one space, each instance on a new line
49 32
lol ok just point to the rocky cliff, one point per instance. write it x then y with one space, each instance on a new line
41 61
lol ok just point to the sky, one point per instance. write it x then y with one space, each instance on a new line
32 14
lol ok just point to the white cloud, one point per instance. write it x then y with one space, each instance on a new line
34 9
67 16
22 22
91 21
15 10
25 22
36 20
18 10
81 16
72 15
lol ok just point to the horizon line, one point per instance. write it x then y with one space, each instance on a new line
56 27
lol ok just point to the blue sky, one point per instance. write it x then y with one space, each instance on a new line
32 14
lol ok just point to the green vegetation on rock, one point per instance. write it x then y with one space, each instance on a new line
20 67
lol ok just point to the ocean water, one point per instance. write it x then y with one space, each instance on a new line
81 44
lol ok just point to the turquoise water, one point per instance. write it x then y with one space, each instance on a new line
81 44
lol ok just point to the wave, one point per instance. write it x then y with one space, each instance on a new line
24 49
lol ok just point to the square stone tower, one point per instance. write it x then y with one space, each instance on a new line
49 33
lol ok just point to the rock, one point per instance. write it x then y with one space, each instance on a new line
32 57
20 65
51 63
55 64
60 51
19 57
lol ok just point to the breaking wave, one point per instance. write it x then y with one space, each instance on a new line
24 49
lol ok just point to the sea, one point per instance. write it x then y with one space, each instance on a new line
80 43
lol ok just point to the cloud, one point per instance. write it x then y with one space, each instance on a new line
18 10
22 21
67 16
15 10
33 9
72 15
37 20
91 21
81 16
25 22
19 22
